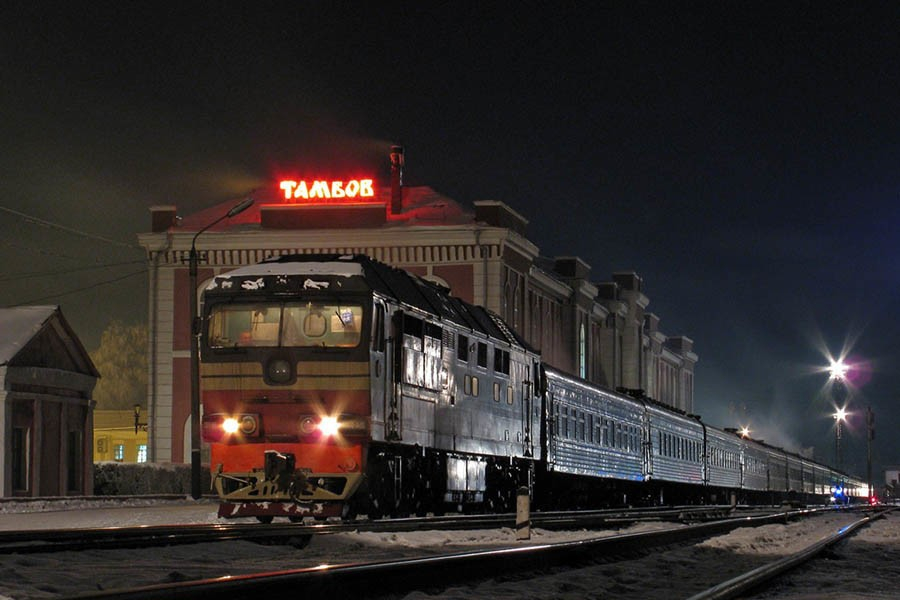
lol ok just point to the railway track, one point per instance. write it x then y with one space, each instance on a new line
397 577
769 573
299 534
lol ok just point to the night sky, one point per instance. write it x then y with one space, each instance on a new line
743 161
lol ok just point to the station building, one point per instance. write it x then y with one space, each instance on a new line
120 436
46 385
598 329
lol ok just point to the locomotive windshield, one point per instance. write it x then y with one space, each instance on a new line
319 324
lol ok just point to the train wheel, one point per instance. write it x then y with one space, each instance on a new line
264 518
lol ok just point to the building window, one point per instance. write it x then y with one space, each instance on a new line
142 453
19 465
119 451
73 463
582 358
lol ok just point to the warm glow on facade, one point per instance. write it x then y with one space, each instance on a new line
327 190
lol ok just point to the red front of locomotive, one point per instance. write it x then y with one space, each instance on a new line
285 389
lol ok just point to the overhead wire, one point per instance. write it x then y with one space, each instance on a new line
77 290
69 230
34 274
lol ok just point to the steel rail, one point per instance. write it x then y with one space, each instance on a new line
297 534
406 575
761 575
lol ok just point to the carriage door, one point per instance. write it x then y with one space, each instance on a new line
647 445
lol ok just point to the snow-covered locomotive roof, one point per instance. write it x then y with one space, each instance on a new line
298 271
334 268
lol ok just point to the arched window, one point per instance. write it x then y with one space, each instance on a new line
582 358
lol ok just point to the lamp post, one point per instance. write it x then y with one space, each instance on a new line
839 417
193 259
870 436
837 371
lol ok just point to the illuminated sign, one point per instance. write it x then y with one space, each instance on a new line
327 190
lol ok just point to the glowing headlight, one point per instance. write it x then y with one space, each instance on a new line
328 426
230 425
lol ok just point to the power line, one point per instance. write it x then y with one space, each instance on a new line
37 221
77 290
33 274
45 252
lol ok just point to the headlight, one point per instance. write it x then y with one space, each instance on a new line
329 426
219 427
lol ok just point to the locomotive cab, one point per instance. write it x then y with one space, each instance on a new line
285 387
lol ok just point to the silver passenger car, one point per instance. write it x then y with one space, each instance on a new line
676 446
591 431
723 459
754 467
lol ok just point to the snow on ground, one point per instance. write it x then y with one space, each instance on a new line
867 567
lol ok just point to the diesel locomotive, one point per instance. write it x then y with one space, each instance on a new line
335 385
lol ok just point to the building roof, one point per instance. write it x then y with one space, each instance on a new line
421 206
19 325
23 325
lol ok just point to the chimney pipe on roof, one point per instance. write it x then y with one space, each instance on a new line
396 180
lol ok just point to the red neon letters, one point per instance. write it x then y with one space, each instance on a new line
327 190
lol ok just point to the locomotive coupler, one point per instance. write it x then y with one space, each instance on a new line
279 468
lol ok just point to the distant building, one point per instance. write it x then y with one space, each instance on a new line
892 480
47 379
120 436
598 330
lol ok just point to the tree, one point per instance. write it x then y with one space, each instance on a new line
122 362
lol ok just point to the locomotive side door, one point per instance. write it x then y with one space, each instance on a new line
529 385
379 358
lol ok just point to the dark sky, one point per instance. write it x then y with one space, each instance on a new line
744 161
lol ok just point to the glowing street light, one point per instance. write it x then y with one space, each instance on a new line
837 370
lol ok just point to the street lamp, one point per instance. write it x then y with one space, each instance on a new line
193 259
837 370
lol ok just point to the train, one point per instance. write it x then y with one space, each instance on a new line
336 386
